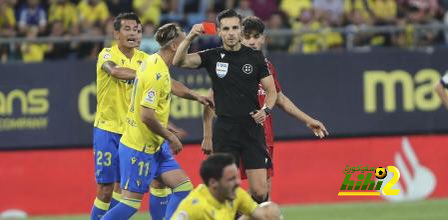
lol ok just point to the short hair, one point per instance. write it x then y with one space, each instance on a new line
125 16
253 24
166 33
228 13
214 165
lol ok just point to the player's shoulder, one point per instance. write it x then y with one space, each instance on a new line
194 202
150 65
240 192
252 53
190 208
242 196
249 50
212 52
141 54
106 52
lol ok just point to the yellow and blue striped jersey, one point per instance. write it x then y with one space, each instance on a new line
152 89
113 95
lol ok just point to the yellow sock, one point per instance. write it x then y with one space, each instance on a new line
101 205
116 196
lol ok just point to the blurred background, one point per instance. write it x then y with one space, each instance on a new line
365 68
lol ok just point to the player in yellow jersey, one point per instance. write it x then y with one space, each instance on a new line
221 197
141 157
114 91
115 72
160 194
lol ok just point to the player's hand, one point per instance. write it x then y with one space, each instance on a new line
207 146
175 145
179 132
207 101
259 116
196 30
318 128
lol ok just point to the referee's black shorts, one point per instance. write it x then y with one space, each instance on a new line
244 139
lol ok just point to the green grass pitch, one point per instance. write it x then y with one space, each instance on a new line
429 209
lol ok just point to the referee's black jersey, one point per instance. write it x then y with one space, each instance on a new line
235 78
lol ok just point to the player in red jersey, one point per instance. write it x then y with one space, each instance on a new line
253 36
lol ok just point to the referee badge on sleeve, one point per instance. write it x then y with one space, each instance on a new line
221 69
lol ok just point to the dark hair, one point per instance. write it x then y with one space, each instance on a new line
167 33
125 16
214 165
228 13
253 24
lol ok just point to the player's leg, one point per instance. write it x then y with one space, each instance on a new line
180 185
258 185
226 139
160 193
102 200
174 177
116 194
137 171
158 199
106 166
256 161
270 170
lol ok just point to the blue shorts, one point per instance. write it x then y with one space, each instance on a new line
105 151
138 169
166 160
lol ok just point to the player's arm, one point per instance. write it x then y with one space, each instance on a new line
182 91
266 210
118 72
181 58
441 92
207 125
271 93
150 102
284 103
179 132
251 210
271 96
149 118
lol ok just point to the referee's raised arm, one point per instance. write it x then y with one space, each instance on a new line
181 58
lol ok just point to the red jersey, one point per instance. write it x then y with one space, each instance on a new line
268 128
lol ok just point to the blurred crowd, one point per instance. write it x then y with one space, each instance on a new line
94 18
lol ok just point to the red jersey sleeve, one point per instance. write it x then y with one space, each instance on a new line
274 75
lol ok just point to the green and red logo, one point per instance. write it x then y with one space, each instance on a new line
365 184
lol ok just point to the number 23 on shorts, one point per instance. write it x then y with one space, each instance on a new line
103 158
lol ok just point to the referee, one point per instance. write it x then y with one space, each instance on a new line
236 72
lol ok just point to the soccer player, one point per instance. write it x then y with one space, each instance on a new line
236 71
141 147
115 71
253 37
221 197
159 192
440 89
115 74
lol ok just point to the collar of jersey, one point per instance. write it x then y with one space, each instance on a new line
115 47
209 197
